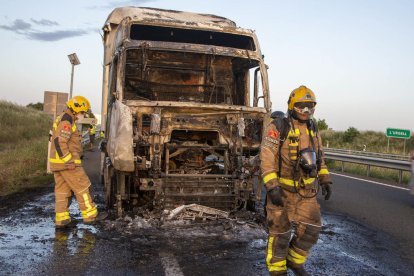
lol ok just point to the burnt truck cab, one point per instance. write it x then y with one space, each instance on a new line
191 91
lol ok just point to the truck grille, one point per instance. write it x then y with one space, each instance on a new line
212 192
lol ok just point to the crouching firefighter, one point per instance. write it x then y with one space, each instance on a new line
66 165
293 170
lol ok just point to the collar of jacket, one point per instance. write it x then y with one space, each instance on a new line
70 113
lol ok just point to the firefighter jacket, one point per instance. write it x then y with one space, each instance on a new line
291 176
92 130
66 146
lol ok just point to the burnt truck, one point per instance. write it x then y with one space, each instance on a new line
185 97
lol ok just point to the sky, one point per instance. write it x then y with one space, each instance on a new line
357 56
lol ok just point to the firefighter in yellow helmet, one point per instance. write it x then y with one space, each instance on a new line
66 165
92 134
293 170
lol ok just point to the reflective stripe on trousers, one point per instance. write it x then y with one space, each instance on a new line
90 211
295 257
62 216
276 266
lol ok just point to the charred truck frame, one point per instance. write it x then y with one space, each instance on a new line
184 99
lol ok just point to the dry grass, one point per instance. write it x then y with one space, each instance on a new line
375 141
21 123
23 148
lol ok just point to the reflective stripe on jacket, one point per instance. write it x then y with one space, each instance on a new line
295 141
66 144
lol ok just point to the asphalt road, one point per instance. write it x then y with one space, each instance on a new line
366 231
373 204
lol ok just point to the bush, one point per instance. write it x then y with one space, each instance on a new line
37 106
321 123
350 134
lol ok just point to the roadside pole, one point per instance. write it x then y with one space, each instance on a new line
388 145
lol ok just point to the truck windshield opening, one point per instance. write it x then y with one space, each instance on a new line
186 77
168 34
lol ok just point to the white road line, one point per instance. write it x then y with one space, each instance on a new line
370 181
170 264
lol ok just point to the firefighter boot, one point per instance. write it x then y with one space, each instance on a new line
278 273
299 270
100 217
65 223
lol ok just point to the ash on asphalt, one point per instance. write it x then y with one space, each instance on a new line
131 245
134 245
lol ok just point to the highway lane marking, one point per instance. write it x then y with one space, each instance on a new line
170 264
370 181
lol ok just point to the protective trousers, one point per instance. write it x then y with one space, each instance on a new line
77 181
304 214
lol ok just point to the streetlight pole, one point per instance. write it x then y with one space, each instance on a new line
73 58
71 82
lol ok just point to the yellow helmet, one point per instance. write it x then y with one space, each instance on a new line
301 94
79 104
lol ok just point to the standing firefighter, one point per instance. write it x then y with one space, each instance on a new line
65 163
292 164
92 134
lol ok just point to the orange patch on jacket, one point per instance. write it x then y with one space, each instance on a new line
273 133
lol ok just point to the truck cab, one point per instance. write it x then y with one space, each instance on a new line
184 100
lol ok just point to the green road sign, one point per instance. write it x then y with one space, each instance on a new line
398 133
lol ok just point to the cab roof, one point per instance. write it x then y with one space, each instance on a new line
179 18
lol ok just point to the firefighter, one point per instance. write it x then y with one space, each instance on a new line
66 165
92 134
293 170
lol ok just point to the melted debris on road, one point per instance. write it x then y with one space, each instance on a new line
192 216
148 243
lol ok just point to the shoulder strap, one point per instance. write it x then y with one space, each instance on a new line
314 126
282 125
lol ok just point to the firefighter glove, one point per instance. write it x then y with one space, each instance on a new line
326 190
70 166
276 196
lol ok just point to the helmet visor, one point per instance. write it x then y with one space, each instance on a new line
302 105
305 107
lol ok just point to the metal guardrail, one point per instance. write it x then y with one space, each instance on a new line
397 162
366 153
